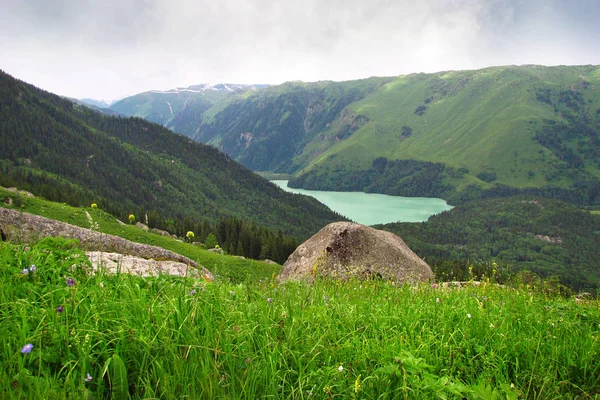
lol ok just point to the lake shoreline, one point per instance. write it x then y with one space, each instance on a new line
374 208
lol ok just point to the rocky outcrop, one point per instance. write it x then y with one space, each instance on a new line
24 227
115 262
143 227
346 250
160 232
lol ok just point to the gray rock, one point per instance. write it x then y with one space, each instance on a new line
143 227
267 261
346 250
114 262
160 232
218 251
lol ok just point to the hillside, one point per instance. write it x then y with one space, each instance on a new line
449 134
226 267
72 154
540 235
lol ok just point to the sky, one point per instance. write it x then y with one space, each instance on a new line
109 49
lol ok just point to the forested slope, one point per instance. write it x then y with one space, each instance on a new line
70 153
544 236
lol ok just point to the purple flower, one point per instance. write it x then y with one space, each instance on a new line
232 293
25 271
27 348
269 300
32 268
434 286
193 292
88 378
70 281
60 309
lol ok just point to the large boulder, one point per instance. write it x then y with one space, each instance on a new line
346 250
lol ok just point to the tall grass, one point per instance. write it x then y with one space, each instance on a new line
169 338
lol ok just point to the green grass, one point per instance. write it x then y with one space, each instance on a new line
157 338
226 267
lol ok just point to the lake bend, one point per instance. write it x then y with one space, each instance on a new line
374 208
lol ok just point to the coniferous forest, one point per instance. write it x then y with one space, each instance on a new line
547 237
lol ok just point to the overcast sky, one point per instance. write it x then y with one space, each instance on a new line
107 49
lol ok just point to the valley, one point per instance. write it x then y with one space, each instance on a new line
300 200
505 259
457 135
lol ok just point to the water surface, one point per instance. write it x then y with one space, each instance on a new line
374 208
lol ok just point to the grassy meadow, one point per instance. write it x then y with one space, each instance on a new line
67 334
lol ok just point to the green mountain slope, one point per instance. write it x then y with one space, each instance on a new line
266 130
73 154
519 127
540 235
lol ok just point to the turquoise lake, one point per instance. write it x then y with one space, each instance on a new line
373 208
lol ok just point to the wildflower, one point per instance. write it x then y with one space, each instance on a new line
468 315
269 300
24 271
492 326
193 292
94 205
27 348
70 282
357 384
32 268
340 368
131 218
232 293
60 309
437 299
434 286
88 378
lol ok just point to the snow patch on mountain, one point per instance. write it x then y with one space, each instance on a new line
219 87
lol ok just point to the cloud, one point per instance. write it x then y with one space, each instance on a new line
111 48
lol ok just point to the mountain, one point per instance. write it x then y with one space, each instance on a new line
97 103
540 235
92 105
454 134
73 154
172 108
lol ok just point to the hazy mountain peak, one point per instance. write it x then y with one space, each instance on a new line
218 87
